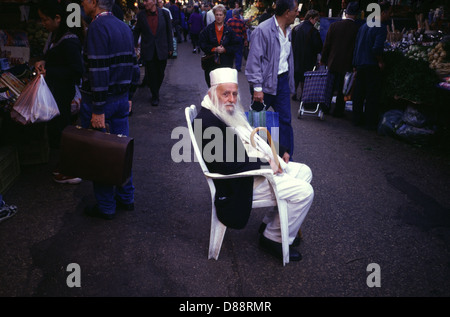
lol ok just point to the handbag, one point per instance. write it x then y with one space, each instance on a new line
35 103
97 156
259 116
209 61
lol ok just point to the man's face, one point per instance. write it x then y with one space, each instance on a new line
89 7
150 5
227 94
160 3
292 14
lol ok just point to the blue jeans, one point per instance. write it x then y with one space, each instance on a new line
116 116
281 103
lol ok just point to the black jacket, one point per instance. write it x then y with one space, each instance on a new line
161 42
306 44
234 197
64 68
208 40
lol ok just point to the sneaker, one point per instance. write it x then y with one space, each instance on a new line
6 211
93 211
63 179
194 51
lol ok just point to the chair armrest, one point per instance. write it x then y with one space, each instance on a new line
266 172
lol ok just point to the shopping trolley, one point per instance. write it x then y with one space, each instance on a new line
318 90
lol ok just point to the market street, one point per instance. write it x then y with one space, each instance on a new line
377 201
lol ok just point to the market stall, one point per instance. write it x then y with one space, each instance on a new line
416 89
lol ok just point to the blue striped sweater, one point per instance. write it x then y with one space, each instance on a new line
111 66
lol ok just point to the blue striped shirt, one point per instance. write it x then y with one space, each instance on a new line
110 61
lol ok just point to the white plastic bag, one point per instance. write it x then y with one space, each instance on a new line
35 103
348 82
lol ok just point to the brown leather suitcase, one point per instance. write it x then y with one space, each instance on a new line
97 156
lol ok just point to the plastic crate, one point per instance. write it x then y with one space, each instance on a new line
9 167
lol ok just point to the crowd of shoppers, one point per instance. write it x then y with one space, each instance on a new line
103 53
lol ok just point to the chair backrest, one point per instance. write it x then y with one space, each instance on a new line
191 113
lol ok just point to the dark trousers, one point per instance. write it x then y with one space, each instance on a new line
194 39
366 96
338 85
154 71
281 103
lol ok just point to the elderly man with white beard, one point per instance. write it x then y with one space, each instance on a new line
222 116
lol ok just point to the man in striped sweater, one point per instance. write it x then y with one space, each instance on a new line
110 79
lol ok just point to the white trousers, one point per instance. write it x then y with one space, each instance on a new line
293 186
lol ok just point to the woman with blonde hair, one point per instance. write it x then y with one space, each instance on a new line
219 39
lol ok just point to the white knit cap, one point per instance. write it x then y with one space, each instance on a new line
223 75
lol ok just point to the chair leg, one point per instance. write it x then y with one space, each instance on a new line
282 211
216 236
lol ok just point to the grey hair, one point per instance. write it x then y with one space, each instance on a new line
236 12
220 7
105 4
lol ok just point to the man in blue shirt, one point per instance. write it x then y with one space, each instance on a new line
367 59
112 74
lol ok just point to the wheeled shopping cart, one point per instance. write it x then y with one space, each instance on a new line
317 90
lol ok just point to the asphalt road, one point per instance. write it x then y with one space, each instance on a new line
377 200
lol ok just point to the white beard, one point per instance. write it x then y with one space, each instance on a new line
237 120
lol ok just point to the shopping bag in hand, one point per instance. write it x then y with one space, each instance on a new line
259 116
35 103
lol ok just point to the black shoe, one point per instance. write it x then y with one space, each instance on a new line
296 242
276 249
93 211
155 102
126 207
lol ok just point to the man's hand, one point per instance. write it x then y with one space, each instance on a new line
130 103
258 96
286 157
275 168
98 121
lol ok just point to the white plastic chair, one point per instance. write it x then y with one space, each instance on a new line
217 228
